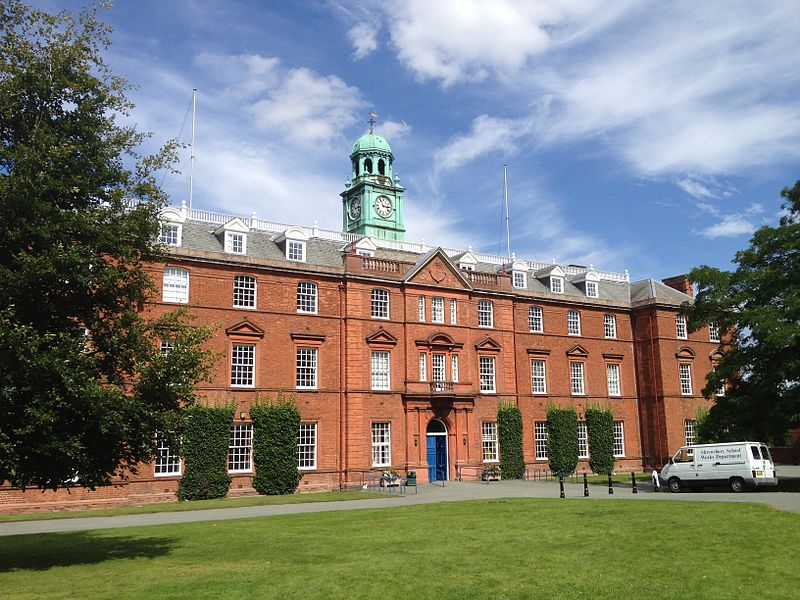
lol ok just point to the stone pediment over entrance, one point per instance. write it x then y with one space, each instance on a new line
436 268
246 329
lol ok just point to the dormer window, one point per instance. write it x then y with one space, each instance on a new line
591 289
235 243
363 252
467 261
557 285
170 234
519 279
365 247
467 266
296 250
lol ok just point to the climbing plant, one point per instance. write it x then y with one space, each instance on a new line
562 439
276 425
204 447
600 427
509 436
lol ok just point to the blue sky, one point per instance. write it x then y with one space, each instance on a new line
646 136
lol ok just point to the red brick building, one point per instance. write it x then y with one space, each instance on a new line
398 353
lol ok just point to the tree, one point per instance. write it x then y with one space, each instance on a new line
562 439
758 305
509 435
83 383
600 429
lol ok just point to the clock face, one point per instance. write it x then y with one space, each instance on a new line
383 206
355 208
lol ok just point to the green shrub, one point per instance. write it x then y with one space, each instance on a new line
562 439
600 427
204 447
509 437
276 426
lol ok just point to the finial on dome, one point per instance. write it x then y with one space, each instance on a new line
372 120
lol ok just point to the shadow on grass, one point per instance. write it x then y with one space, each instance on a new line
42 552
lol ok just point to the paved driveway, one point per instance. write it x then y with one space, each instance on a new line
426 494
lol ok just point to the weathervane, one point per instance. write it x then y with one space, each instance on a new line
372 120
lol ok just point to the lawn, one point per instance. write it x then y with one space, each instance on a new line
518 548
196 505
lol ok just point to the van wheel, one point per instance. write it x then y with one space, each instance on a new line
737 484
675 485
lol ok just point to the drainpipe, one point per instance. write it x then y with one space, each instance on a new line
342 382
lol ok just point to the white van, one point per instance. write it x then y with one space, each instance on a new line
738 465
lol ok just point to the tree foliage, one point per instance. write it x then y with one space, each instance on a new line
83 386
758 304
562 439
275 429
509 437
600 429
204 441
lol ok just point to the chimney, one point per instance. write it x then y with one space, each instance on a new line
680 283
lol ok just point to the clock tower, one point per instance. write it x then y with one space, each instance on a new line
372 202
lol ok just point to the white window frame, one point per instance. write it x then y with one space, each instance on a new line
713 332
307 447
296 250
486 371
536 319
381 370
583 440
168 463
573 322
166 346
379 306
235 242
240 448
245 291
538 376
485 313
175 285
610 326
170 233
421 303
577 378
519 280
540 439
592 289
437 310
685 377
613 378
307 295
438 366
680 327
453 312
306 365
454 368
423 366
243 365
557 285
381 444
489 446
689 431
619 439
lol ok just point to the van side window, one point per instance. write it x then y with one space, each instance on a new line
684 455
765 453
756 453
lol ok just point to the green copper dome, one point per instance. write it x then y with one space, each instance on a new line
371 142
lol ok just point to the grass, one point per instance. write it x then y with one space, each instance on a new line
196 505
514 548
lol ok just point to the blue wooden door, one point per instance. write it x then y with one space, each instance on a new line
432 457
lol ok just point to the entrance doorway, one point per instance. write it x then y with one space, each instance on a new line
437 450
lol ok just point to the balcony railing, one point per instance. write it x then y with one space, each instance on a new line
441 387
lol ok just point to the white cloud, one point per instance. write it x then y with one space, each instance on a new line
244 76
695 188
756 208
730 226
464 40
709 208
487 134
308 109
364 37
393 130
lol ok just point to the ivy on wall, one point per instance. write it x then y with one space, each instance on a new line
562 439
276 425
600 427
204 448
509 437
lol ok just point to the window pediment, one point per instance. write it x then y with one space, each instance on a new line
538 351
308 337
685 353
245 328
381 338
487 344
440 341
577 351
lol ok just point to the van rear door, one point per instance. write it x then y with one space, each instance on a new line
767 469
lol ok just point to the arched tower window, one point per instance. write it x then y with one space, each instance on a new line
381 167
368 165
355 168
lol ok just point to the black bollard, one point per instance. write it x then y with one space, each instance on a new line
561 485
633 481
585 487
610 489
